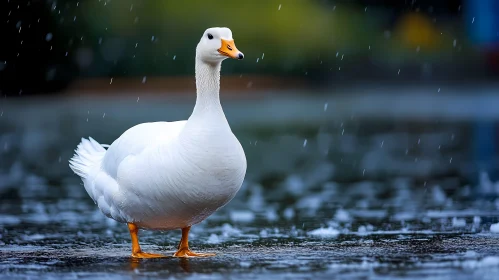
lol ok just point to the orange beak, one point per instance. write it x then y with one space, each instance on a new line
229 49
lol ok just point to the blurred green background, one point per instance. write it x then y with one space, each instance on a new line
52 43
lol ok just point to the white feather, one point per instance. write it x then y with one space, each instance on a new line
168 175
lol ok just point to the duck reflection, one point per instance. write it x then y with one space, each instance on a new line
167 263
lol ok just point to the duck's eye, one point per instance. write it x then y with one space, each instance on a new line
210 36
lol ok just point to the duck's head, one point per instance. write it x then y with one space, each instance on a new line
216 45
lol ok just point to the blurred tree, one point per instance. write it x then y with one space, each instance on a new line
159 37
322 39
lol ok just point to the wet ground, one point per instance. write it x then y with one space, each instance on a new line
328 195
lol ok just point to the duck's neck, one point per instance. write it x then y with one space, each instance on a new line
207 88
207 118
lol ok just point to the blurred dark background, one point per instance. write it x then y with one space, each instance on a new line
316 70
374 123
49 46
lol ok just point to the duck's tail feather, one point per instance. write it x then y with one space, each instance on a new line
88 153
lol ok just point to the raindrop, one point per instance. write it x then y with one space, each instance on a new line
369 47
339 68
337 53
382 143
454 43
77 3
111 81
343 131
136 44
175 56
152 39
138 98
398 73
450 161
60 159
48 37
325 106
473 20
263 55
144 79
104 115
418 48
438 90
406 151
343 55
74 19
365 10
305 143
257 59
364 171
279 7
439 146
100 40
452 137
66 54
131 7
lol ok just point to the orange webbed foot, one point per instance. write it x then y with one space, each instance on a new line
136 251
144 255
187 253
183 247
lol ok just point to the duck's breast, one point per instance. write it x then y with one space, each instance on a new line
183 182
213 168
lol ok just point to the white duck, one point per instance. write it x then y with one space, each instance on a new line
170 175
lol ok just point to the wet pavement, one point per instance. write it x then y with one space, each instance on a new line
71 239
328 197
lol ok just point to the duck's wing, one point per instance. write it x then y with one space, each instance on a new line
98 167
136 139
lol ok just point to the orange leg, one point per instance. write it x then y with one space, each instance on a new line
183 247
136 251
